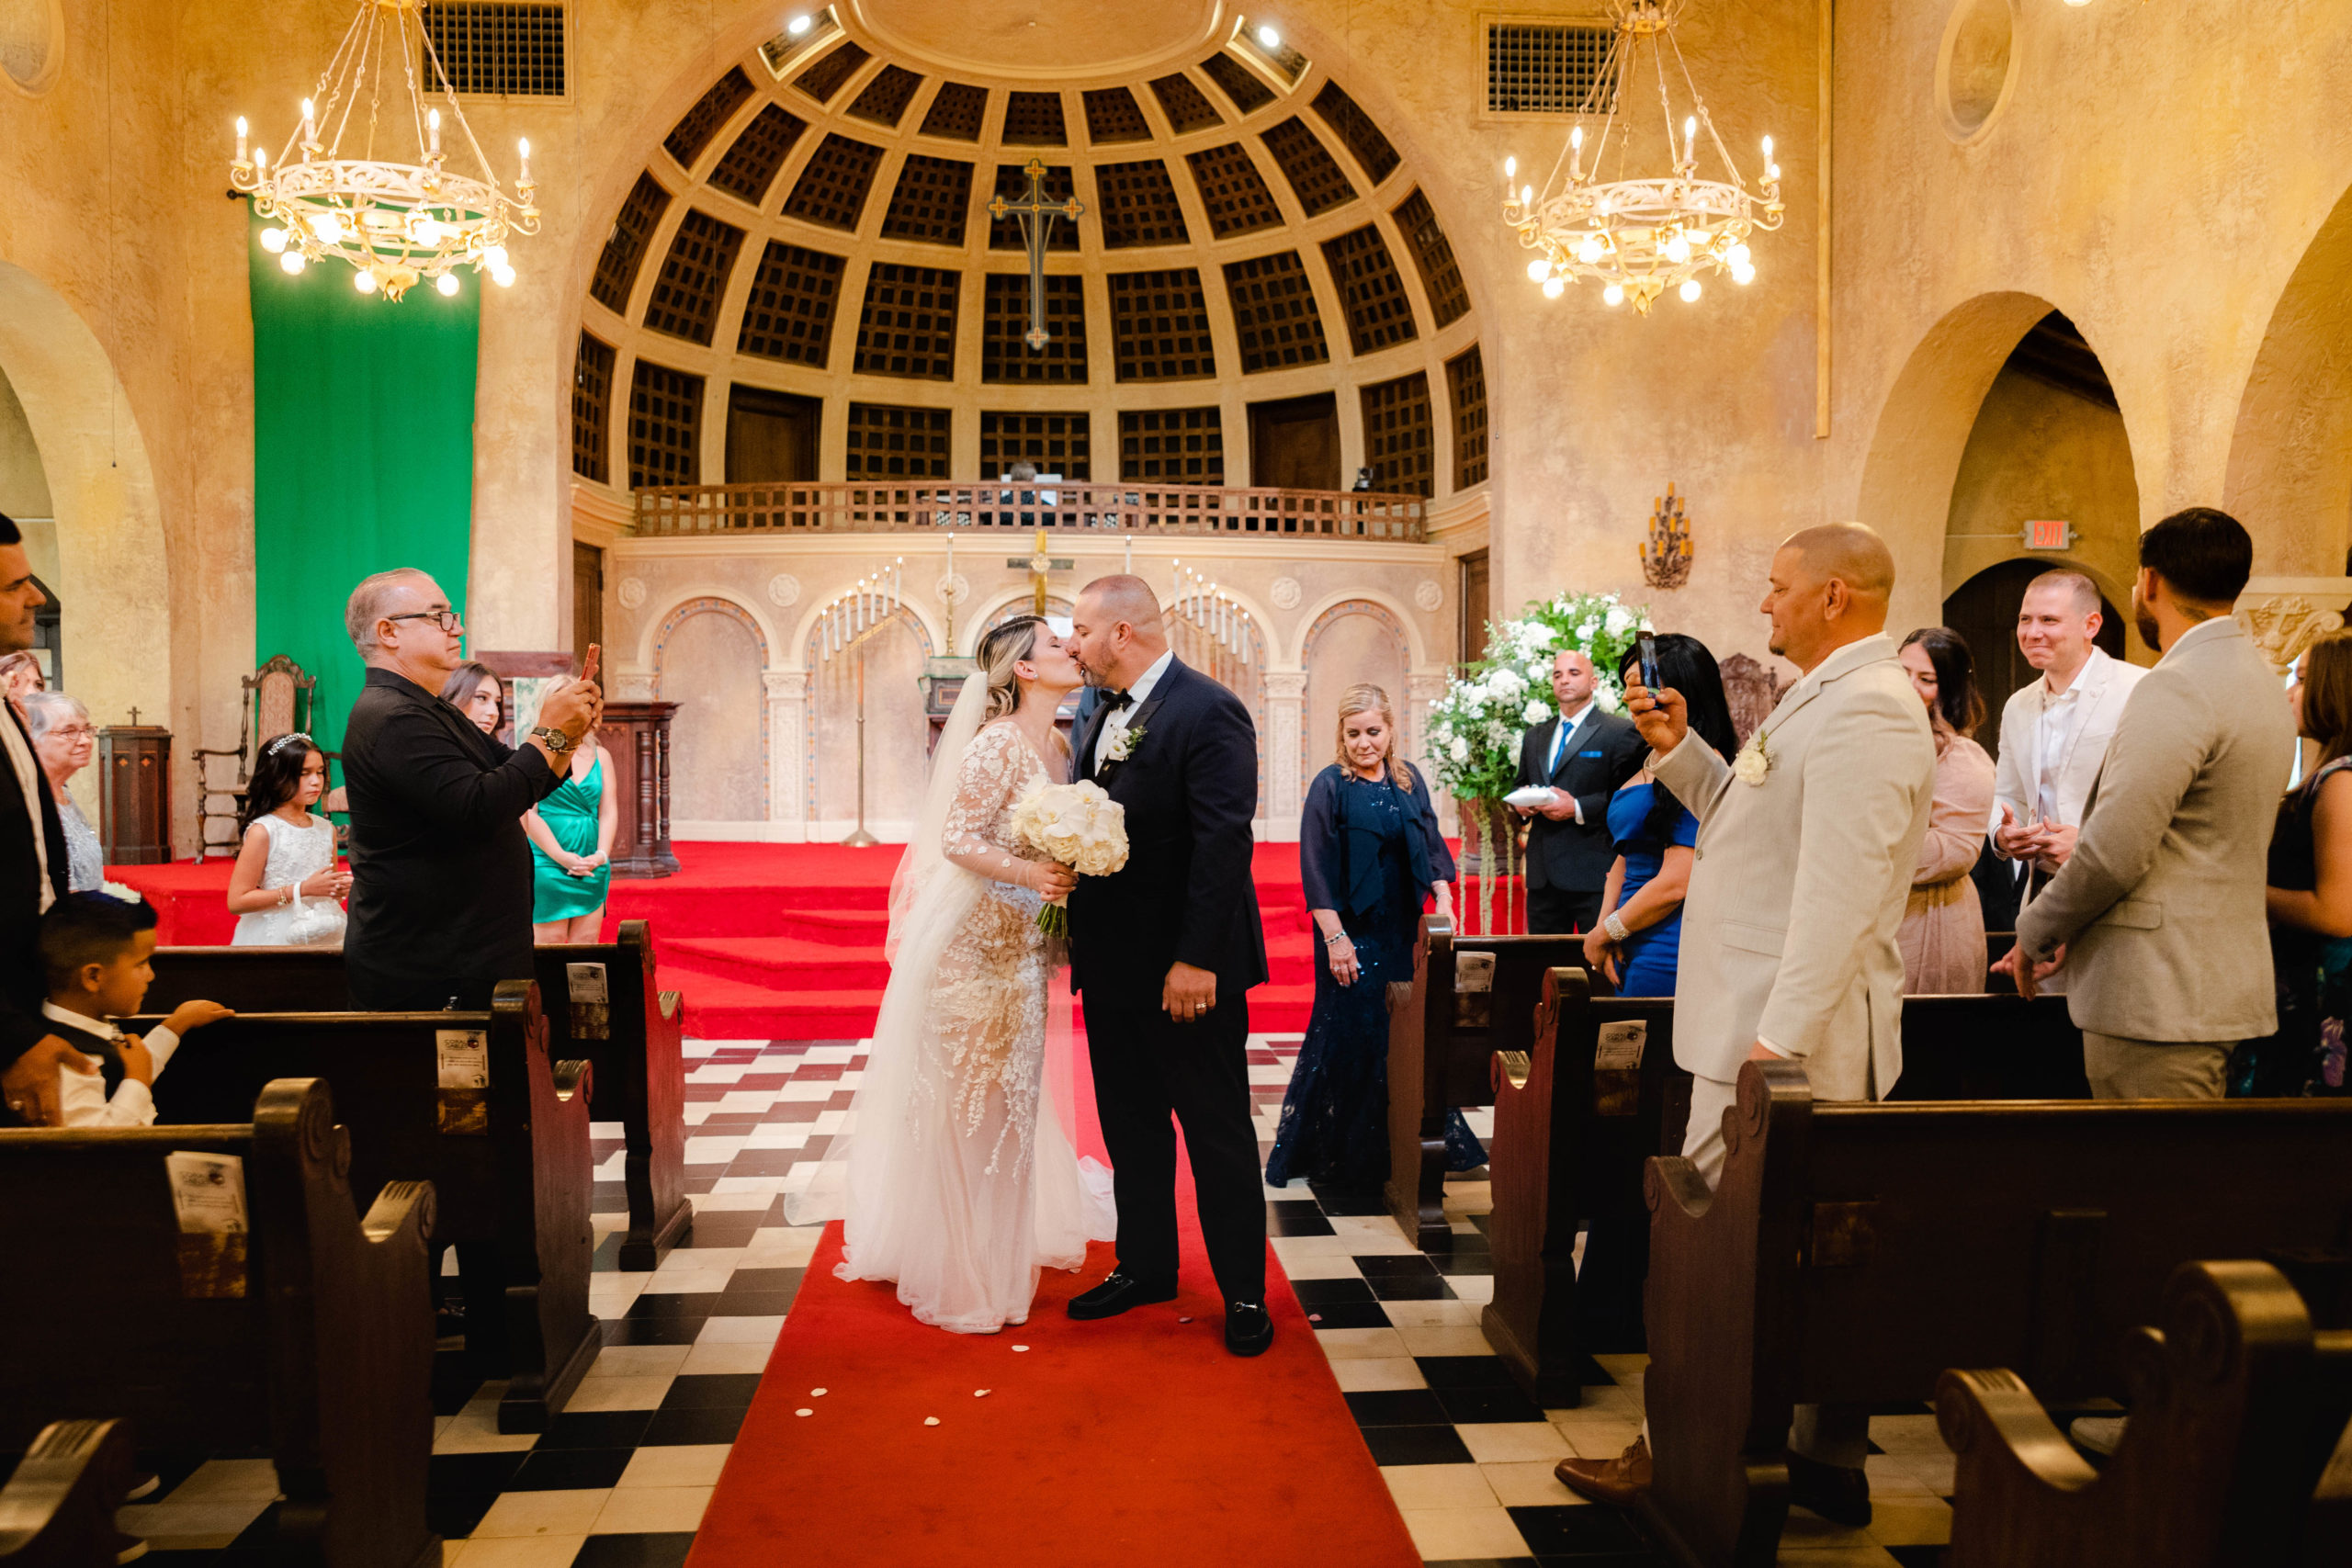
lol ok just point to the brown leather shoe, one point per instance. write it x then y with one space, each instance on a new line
1619 1481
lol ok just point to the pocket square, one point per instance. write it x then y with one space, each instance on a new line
1588 753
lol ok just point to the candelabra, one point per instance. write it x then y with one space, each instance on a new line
1665 554
848 624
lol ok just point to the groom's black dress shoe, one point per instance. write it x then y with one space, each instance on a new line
1117 1293
1247 1329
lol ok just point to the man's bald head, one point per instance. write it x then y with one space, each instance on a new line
1116 631
1831 587
1850 552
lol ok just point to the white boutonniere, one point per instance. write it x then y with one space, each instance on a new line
1123 745
1754 762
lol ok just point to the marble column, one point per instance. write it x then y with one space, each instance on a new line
1285 710
790 749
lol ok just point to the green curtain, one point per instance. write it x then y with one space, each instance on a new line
363 455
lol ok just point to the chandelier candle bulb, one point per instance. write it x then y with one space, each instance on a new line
526 149
447 284
242 158
433 133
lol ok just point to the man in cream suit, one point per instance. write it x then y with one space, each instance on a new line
1806 846
2158 915
2054 732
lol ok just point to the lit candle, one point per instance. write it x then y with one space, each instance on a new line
526 160
1691 138
433 133
310 128
1127 559
240 139
898 575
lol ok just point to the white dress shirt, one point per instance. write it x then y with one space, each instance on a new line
21 758
1560 738
83 1095
1116 723
2061 715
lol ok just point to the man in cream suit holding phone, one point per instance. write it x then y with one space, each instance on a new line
2055 731
1807 841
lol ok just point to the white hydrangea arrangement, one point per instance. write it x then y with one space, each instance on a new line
1078 824
1475 728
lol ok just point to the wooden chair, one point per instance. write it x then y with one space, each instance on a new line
1441 1040
1576 1118
509 1163
2238 1449
278 701
1850 1253
311 1342
57 1510
634 1049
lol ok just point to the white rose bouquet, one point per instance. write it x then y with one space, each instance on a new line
1079 826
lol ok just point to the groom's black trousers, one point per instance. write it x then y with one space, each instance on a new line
1146 1068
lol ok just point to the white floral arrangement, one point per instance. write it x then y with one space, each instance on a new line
1079 826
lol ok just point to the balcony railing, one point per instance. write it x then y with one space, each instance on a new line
694 510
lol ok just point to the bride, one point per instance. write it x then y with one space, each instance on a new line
955 1173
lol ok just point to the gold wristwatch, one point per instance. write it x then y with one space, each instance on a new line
557 741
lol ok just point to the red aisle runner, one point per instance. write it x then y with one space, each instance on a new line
1138 1441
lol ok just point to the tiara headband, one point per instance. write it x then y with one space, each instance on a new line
292 734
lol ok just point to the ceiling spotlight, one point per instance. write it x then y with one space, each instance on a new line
1269 37
799 25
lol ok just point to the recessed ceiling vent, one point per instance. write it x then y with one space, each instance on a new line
1543 67
499 50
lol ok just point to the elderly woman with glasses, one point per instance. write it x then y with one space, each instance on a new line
63 739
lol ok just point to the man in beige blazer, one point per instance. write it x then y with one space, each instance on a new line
2055 730
1807 842
2158 916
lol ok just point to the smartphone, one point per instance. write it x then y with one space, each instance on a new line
1648 646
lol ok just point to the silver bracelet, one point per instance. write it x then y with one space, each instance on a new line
1615 927
1337 937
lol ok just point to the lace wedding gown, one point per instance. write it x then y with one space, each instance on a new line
959 1180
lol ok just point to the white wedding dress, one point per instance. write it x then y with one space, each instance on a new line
954 1174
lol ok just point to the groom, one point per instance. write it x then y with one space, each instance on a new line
1163 954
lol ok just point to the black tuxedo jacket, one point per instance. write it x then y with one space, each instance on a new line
23 986
1601 756
440 869
1189 788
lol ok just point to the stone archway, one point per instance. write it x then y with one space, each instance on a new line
716 774
1922 434
112 573
2290 476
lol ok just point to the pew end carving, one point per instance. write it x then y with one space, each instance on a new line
2237 1451
57 1509
1576 1116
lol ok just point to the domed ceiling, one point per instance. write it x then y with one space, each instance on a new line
806 281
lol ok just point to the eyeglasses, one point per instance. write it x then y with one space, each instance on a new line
447 620
75 731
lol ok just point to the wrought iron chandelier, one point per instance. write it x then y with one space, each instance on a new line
1638 237
397 223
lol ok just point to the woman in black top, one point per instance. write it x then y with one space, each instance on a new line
2310 894
1370 853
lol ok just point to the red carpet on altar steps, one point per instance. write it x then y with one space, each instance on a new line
777 942
1139 1441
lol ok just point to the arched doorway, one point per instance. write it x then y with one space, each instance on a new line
1985 611
2290 477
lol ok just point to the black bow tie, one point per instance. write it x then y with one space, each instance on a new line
1115 701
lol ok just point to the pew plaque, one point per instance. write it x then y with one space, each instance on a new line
135 794
638 736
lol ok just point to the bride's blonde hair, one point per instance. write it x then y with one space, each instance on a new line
1369 698
1000 650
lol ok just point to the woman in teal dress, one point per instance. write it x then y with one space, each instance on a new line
571 849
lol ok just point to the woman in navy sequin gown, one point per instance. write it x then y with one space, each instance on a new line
1370 851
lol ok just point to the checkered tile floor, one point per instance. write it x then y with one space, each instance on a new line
620 1480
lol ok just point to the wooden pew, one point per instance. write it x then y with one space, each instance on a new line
1852 1252
639 1072
509 1163
1571 1136
1570 1143
312 1341
57 1510
1441 1040
2238 1449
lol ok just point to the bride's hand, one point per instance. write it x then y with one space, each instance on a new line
1051 878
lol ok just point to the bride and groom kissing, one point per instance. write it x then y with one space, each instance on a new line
955 1174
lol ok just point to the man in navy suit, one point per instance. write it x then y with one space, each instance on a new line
1583 756
1163 954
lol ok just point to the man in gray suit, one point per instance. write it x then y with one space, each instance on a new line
1807 842
2158 915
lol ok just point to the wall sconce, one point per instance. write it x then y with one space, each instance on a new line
1665 554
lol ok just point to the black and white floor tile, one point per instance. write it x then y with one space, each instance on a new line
621 1478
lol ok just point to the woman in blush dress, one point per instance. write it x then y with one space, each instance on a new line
1370 854
1942 935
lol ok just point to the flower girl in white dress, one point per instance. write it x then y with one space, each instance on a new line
287 889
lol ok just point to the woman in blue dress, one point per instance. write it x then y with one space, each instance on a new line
1370 851
1639 937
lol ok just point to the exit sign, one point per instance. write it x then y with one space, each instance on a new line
2049 534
